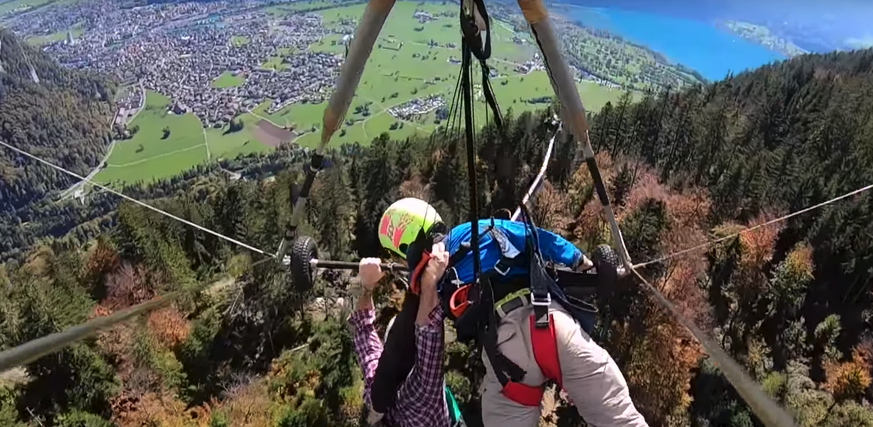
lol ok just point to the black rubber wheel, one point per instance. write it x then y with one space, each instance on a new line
606 262
302 273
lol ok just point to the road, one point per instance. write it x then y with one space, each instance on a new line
70 191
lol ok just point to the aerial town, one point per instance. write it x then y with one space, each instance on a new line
181 49
416 107
184 50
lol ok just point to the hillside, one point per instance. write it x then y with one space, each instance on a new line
791 303
60 115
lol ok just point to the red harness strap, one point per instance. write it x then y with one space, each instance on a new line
545 350
414 281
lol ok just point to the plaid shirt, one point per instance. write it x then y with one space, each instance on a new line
421 400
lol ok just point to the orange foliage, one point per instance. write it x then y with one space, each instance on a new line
686 213
582 177
248 405
864 350
848 379
99 311
682 289
591 227
550 208
168 326
415 187
646 187
799 261
758 244
128 286
153 409
657 363
115 343
102 259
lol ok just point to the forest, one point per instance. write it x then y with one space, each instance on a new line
791 302
55 113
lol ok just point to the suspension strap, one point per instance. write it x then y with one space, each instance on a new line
471 154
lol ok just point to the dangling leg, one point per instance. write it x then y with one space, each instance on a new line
513 340
591 378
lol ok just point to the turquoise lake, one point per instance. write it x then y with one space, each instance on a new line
711 51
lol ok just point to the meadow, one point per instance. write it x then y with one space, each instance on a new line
148 155
411 60
418 67
16 5
227 79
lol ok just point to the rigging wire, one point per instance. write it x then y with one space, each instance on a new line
145 205
770 413
52 343
753 228
37 348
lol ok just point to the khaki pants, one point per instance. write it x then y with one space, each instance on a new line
589 375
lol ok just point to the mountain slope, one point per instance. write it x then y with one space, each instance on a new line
60 115
55 113
766 143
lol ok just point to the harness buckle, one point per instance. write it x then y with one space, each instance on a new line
499 271
538 301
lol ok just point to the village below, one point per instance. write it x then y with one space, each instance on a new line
207 81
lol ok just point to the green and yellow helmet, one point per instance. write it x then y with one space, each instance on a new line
402 221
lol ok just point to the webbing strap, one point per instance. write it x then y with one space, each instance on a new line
545 349
506 247
509 253
523 394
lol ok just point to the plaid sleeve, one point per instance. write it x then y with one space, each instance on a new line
421 400
367 346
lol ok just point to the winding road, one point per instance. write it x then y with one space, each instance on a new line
70 191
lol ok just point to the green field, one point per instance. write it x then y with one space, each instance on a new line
148 156
297 7
395 74
227 79
9 6
239 40
225 144
77 32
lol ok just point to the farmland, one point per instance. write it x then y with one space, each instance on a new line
419 67
415 60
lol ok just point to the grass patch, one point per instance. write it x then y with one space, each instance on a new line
77 32
227 79
20 5
239 40
298 7
148 155
224 144
154 169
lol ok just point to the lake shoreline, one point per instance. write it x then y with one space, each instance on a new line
711 51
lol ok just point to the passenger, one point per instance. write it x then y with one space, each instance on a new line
564 351
420 397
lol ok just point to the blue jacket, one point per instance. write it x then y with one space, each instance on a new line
553 247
